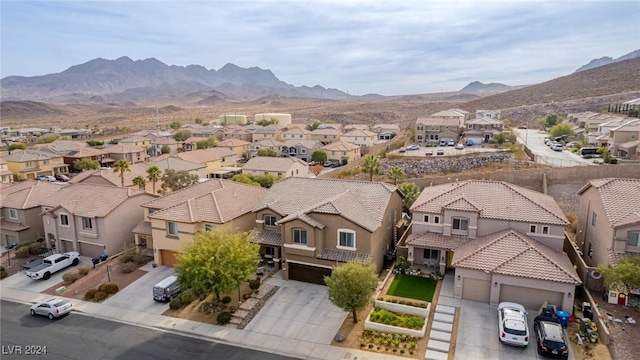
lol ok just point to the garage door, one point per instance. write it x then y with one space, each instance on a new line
528 297
306 273
90 250
168 257
66 246
474 289
476 139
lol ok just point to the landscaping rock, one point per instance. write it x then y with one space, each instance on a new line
417 168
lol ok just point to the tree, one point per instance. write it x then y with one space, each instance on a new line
265 122
500 138
267 152
245 179
396 174
175 125
19 146
154 174
165 149
507 123
562 129
319 156
552 120
175 180
411 192
627 272
139 181
351 286
217 261
182 135
121 166
47 139
605 153
198 120
371 166
206 143
86 164
266 180
314 125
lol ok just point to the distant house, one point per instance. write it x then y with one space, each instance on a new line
6 176
458 114
133 154
483 129
300 148
138 141
271 132
386 131
276 166
163 142
238 133
265 144
362 138
240 147
296 134
216 131
351 127
177 164
326 135
108 177
489 114
28 164
430 131
342 151
625 140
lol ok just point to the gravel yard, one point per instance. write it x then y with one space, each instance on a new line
625 336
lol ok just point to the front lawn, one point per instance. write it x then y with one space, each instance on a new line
412 287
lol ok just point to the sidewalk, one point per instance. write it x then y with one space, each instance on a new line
242 338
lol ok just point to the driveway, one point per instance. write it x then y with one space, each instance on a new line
448 150
138 296
299 311
478 335
21 281
534 140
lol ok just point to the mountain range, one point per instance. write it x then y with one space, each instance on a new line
605 60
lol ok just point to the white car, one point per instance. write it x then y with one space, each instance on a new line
413 147
512 324
51 308
459 147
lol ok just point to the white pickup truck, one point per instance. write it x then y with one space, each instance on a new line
52 264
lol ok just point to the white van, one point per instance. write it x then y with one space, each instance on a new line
166 289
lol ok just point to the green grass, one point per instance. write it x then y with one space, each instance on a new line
412 287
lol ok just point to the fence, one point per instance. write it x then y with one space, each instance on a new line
558 162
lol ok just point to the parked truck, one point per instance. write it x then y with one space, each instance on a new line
52 264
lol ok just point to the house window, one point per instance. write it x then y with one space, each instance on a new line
590 252
209 227
87 223
346 239
426 218
303 151
64 220
13 214
594 218
545 230
430 254
460 224
270 220
172 229
268 250
28 163
632 238
436 219
532 229
300 236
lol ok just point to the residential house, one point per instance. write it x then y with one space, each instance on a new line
363 138
335 126
28 164
602 135
351 127
277 166
609 220
310 225
300 148
326 136
504 241
483 129
6 176
109 177
240 147
171 221
139 141
271 132
20 219
265 144
93 219
386 131
175 163
237 133
489 114
72 150
216 131
168 143
342 151
430 131
133 154
296 134
460 115
590 130
625 140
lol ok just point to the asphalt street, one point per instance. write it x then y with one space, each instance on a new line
82 337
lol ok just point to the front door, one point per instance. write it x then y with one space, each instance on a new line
622 299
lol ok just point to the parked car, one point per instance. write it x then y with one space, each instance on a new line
512 324
62 177
403 149
523 127
42 177
413 147
166 289
550 337
451 143
469 142
556 147
52 308
571 144
459 147
549 143
50 178
440 152
52 264
443 142
428 153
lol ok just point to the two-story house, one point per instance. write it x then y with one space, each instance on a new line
271 132
296 134
168 143
6 176
386 131
238 133
28 164
20 209
358 137
482 129
609 220
342 151
93 219
172 220
458 114
277 166
504 241
108 177
326 135
265 144
240 147
138 141
133 154
430 131
489 114
625 140
300 148
602 135
310 225
216 131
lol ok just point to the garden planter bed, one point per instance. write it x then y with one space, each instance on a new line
376 326
404 309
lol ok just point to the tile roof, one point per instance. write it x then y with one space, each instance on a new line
123 149
267 237
356 126
12 226
629 144
340 146
133 139
297 131
27 194
494 200
176 163
511 253
309 144
268 143
165 141
216 200
91 200
201 156
143 228
326 131
361 202
85 152
433 240
437 121
30 155
614 257
268 163
233 143
620 199
359 132
113 177
343 256
450 112
485 121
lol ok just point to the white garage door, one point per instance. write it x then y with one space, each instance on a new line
476 139
528 297
474 289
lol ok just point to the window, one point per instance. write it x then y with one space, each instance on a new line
303 151
632 238
46 162
533 228
590 252
436 219
209 227
64 219
270 220
28 163
346 239
430 254
426 218
545 230
172 229
460 224
87 223
300 236
268 250
13 214
594 219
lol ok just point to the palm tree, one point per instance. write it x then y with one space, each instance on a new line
411 192
121 166
140 181
154 174
371 166
396 174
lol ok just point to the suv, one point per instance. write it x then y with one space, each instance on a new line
512 323
550 337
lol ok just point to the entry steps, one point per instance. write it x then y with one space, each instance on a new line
440 334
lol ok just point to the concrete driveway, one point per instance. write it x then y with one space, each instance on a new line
299 311
534 140
478 335
138 296
21 281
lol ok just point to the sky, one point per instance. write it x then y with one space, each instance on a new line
384 47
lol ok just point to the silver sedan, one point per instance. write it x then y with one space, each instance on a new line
52 308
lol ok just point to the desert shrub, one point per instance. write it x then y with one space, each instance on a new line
187 296
84 269
24 244
126 258
223 318
613 161
3 273
71 276
22 252
573 222
226 299
90 294
175 303
140 259
254 284
109 288
99 296
34 248
127 267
